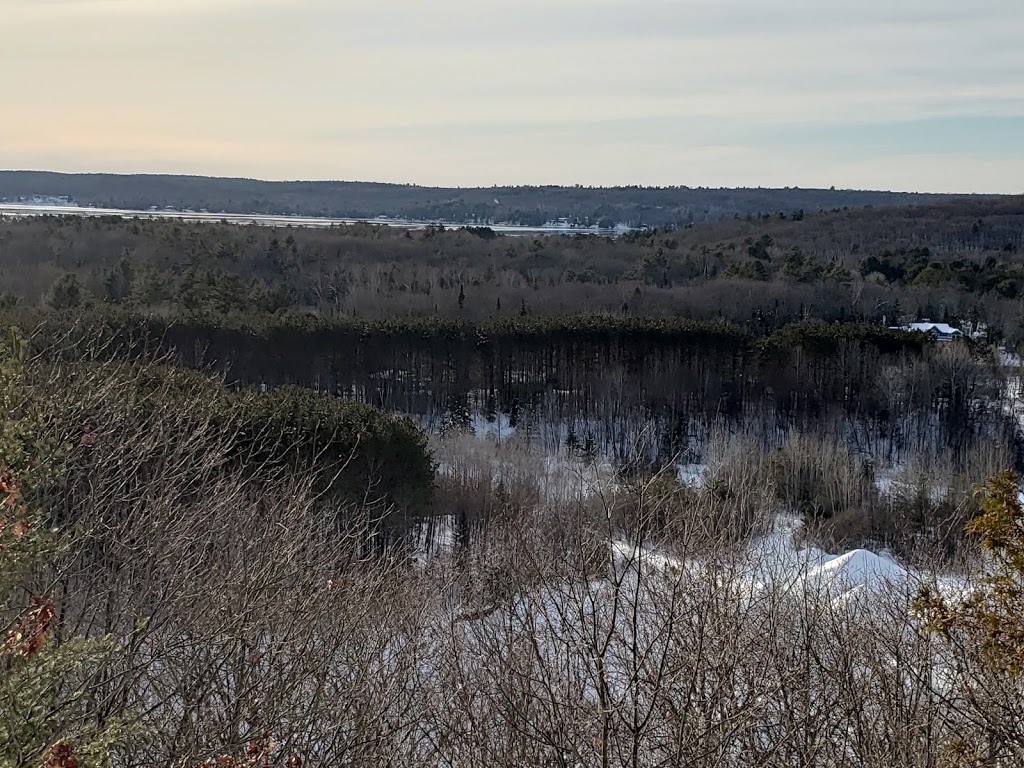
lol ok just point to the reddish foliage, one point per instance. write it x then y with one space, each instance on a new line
28 635
88 435
9 490
60 755
10 499
262 753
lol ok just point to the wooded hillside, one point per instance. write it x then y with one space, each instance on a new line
960 262
635 206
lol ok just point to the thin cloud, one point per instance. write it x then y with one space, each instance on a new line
642 91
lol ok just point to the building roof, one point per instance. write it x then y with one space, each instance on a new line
940 328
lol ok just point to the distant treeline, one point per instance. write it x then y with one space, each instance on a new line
957 262
633 347
594 206
631 388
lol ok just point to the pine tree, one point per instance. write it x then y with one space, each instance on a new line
45 719
992 617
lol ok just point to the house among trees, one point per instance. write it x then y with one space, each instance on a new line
940 331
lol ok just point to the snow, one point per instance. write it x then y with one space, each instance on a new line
693 475
777 564
941 328
854 573
1013 404
498 427
897 481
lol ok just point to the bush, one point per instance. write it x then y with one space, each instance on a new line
357 450
46 715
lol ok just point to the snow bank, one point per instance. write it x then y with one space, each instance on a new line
777 564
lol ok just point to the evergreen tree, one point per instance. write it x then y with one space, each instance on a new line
45 716
992 617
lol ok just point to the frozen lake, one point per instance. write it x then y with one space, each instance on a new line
23 210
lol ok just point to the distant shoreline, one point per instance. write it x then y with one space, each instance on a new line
575 209
23 210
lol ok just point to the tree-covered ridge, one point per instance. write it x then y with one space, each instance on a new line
132 332
528 205
582 338
600 378
957 262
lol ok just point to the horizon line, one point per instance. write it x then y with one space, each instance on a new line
575 185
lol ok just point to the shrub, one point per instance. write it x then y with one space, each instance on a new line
46 716
357 450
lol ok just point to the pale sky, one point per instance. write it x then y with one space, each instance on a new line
923 95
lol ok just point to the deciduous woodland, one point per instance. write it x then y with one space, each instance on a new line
369 497
959 261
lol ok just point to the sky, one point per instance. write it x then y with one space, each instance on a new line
916 95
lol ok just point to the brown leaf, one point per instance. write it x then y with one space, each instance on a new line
29 634
60 755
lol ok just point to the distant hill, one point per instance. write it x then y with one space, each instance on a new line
607 206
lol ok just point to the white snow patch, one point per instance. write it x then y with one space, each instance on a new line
500 427
776 564
896 481
693 475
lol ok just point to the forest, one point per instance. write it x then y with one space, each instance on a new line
959 262
635 349
362 496
533 206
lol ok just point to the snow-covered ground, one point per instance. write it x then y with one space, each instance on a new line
500 427
778 564
770 562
